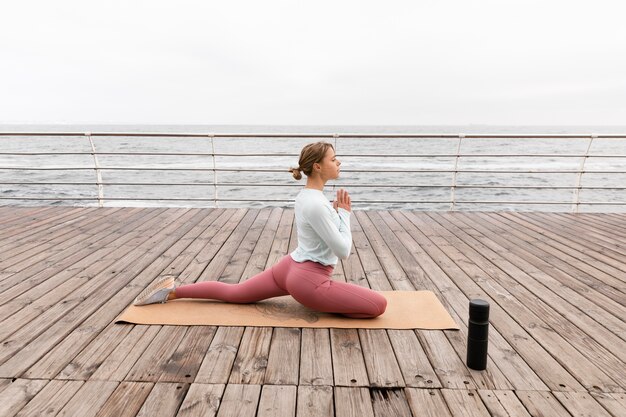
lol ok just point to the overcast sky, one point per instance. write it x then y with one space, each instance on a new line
313 62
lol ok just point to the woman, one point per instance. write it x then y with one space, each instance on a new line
323 237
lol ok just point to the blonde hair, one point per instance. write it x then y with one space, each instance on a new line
310 154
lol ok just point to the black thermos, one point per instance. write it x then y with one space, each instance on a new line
477 334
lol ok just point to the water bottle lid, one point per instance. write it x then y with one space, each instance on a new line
479 310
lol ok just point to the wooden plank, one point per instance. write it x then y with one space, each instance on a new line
576 361
71 239
581 404
220 357
233 272
198 239
316 363
37 244
81 367
154 360
126 400
51 399
448 366
11 215
19 228
542 363
277 401
21 222
57 358
185 360
15 396
221 229
348 364
228 248
107 351
284 357
353 402
89 399
466 403
164 400
427 402
613 403
380 360
372 268
280 244
601 226
202 400
240 400
88 298
390 402
542 403
293 237
436 265
414 365
119 363
571 253
503 403
456 376
69 263
556 228
413 269
390 266
571 310
353 270
263 244
602 282
542 288
251 361
63 258
315 401
188 239
4 382
40 292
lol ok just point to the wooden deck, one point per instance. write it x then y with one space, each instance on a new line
556 284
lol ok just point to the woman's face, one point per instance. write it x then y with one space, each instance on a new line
329 165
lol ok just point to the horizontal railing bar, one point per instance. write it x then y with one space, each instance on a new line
325 135
344 170
291 200
233 184
530 155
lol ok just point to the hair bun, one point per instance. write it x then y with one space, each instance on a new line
296 172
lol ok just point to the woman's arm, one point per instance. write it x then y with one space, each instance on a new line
339 240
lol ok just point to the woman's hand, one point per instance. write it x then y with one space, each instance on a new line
343 200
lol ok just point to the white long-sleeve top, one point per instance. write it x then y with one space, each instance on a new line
323 233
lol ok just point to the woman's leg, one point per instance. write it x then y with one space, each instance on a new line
311 285
256 288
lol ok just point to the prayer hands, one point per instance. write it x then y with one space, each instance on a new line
343 200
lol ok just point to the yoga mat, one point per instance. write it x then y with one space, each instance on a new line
405 310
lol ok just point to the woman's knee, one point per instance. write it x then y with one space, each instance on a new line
380 305
376 307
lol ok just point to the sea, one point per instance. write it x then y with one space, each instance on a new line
188 180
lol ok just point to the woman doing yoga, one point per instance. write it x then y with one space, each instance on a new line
306 273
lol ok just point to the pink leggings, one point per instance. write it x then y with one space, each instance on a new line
308 282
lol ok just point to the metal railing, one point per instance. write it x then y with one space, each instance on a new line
12 164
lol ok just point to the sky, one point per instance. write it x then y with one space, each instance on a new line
340 62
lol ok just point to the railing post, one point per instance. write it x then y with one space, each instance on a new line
456 166
211 136
576 204
98 172
335 136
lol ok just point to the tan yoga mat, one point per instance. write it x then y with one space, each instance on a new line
405 310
